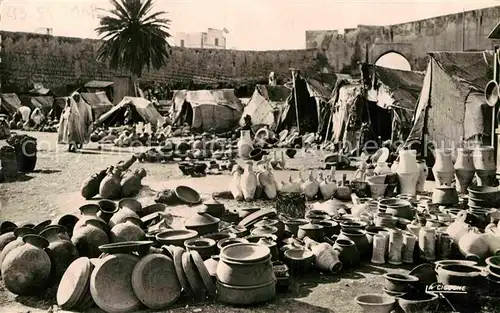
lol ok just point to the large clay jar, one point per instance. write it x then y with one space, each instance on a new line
88 211
464 169
26 269
408 172
127 208
248 182
89 237
348 253
484 158
473 246
423 172
245 144
443 169
359 237
61 250
7 237
130 230
19 232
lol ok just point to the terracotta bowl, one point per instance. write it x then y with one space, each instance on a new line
418 302
153 208
204 246
494 264
299 260
187 195
229 241
375 303
175 237
245 252
141 247
399 282
485 193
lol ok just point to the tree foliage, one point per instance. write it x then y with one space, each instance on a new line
133 36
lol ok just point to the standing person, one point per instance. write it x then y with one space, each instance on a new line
86 120
69 130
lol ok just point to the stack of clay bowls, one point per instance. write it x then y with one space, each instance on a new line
482 199
245 274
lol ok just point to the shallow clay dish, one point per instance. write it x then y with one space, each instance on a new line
155 282
175 237
254 217
245 252
73 283
110 284
193 276
141 247
187 195
153 208
203 271
179 270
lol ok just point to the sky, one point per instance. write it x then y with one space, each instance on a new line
252 24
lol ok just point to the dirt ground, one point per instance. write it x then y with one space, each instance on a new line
54 189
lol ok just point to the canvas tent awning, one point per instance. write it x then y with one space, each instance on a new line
98 84
451 108
143 110
44 103
265 102
10 103
98 101
218 109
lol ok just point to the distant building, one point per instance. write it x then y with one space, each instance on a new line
211 39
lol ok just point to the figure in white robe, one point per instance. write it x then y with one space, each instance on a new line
37 117
25 113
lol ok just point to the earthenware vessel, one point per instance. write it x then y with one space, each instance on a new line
129 230
399 282
274 223
408 172
459 275
375 303
68 221
395 247
218 237
206 247
175 237
19 233
326 258
236 230
203 223
484 158
89 237
26 269
107 209
382 169
348 253
61 250
360 239
418 302
330 228
213 207
246 295
427 243
377 190
409 242
310 230
89 211
445 195
127 208
8 226
264 230
245 144
394 166
379 248
211 265
7 237
464 169
299 260
473 246
443 168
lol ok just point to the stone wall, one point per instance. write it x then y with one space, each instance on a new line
455 32
29 58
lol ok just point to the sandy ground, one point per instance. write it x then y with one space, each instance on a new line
54 189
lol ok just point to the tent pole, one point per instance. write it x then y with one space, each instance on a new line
295 96
495 70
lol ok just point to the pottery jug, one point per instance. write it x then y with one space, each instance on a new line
110 185
122 214
473 246
484 158
245 144
423 172
19 232
379 248
359 237
427 243
61 250
395 247
326 258
408 172
382 169
89 211
130 184
26 269
464 169
89 237
130 230
310 187
409 241
248 182
348 253
443 168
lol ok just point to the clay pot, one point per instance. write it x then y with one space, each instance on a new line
459 275
326 258
130 230
408 172
264 230
245 144
330 228
427 243
313 231
61 250
464 169
236 230
204 246
19 233
89 237
379 249
360 239
418 302
68 221
375 303
89 211
443 168
473 246
229 241
213 207
274 223
293 225
397 207
107 209
382 169
203 223
445 195
484 158
348 253
6 238
126 208
26 269
377 190
347 225
299 260
41 226
399 282
273 247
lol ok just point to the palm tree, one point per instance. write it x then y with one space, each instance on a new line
133 37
